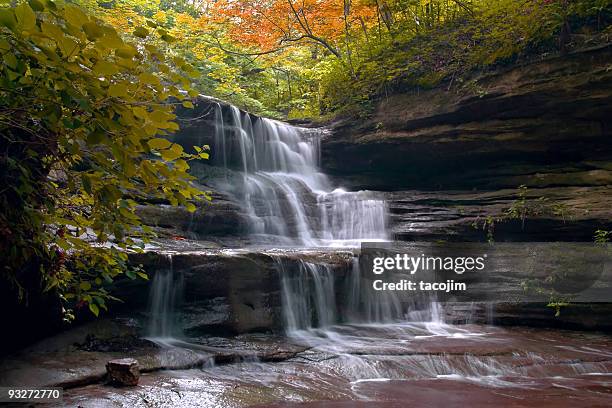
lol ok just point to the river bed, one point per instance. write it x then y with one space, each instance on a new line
390 365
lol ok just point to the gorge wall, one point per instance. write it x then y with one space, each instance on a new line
544 123
452 156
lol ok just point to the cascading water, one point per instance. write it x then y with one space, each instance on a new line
165 296
288 200
308 296
309 299
346 317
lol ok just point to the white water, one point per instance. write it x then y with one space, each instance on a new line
164 300
367 329
287 199
309 299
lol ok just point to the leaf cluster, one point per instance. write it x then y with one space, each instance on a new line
83 120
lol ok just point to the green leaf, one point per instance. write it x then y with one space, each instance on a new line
85 285
188 104
96 137
10 60
36 5
94 309
87 183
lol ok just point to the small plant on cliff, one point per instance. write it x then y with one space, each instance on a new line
602 236
556 301
520 209
83 115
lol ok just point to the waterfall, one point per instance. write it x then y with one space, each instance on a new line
309 299
275 175
164 297
308 296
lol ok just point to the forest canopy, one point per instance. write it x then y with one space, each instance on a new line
305 58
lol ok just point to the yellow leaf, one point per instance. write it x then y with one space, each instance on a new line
36 5
75 16
7 18
173 153
25 17
159 115
140 112
52 31
126 52
93 31
148 78
118 90
181 165
68 46
159 143
105 68
141 32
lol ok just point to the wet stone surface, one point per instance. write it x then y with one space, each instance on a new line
383 365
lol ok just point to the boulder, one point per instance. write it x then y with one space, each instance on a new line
123 371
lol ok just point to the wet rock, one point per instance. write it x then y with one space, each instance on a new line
460 366
458 216
574 316
123 371
226 291
220 219
123 343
